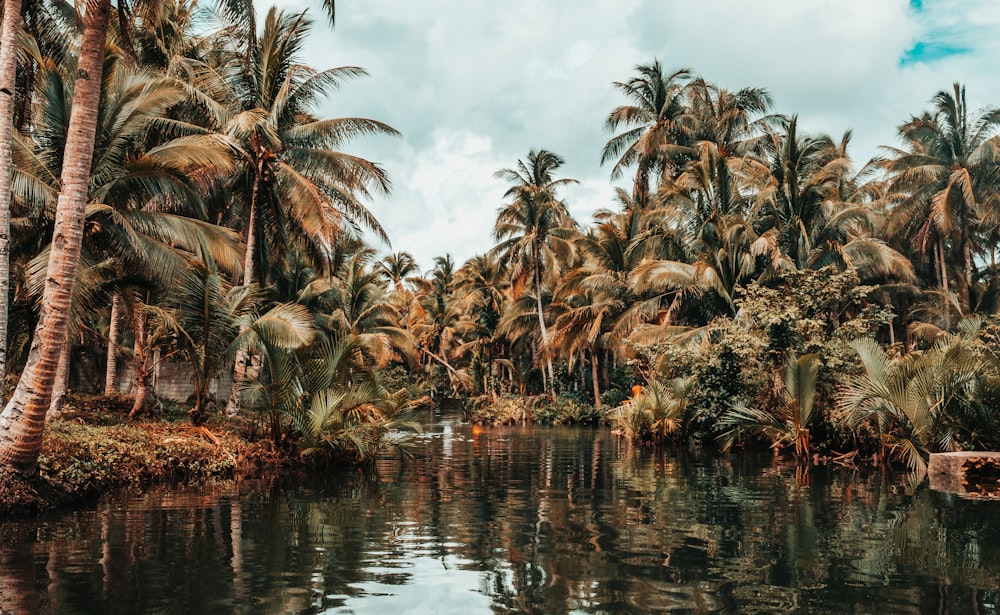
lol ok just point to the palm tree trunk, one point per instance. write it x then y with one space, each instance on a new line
242 356
967 285
944 264
594 375
541 323
140 359
640 190
8 75
23 420
111 370
59 386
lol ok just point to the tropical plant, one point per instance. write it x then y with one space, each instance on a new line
535 231
344 412
655 138
913 401
786 425
945 181
656 413
23 418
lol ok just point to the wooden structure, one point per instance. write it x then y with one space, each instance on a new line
973 474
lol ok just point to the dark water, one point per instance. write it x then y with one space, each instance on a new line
517 521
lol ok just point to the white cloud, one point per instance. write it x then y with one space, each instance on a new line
445 200
474 85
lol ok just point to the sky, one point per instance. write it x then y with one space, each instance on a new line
474 85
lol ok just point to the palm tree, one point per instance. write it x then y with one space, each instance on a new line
23 419
146 201
396 267
788 425
483 293
357 306
535 230
912 401
947 180
8 76
294 186
440 321
654 139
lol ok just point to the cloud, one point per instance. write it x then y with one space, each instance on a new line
474 85
445 199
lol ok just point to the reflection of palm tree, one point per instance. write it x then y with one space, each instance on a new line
535 230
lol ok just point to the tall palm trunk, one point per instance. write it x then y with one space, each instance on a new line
8 76
640 189
966 293
541 322
111 370
242 356
59 385
943 260
594 374
23 420
140 359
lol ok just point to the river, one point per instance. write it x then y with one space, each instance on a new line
517 520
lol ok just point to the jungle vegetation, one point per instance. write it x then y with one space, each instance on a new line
174 196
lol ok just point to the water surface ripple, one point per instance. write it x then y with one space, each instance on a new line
517 520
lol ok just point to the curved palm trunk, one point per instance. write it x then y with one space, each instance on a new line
23 420
8 76
242 356
111 370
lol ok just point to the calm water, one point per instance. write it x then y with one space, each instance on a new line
519 520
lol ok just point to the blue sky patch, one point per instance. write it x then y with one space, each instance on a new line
927 52
917 4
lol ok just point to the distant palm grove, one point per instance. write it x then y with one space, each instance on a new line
168 193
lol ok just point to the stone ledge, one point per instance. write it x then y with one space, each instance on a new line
973 474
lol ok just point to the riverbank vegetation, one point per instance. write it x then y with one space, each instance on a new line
753 285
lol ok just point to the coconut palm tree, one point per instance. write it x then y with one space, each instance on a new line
146 204
535 230
8 76
947 178
655 138
396 267
482 294
23 419
294 185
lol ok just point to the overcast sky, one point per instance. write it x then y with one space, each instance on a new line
474 85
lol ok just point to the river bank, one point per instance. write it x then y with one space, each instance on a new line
94 447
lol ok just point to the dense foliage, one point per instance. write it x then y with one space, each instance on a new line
755 284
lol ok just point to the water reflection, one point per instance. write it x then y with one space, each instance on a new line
517 520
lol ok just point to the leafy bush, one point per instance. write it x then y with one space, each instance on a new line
656 414
568 409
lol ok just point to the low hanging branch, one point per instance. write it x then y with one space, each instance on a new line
451 370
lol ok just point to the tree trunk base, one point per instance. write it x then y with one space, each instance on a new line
22 496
